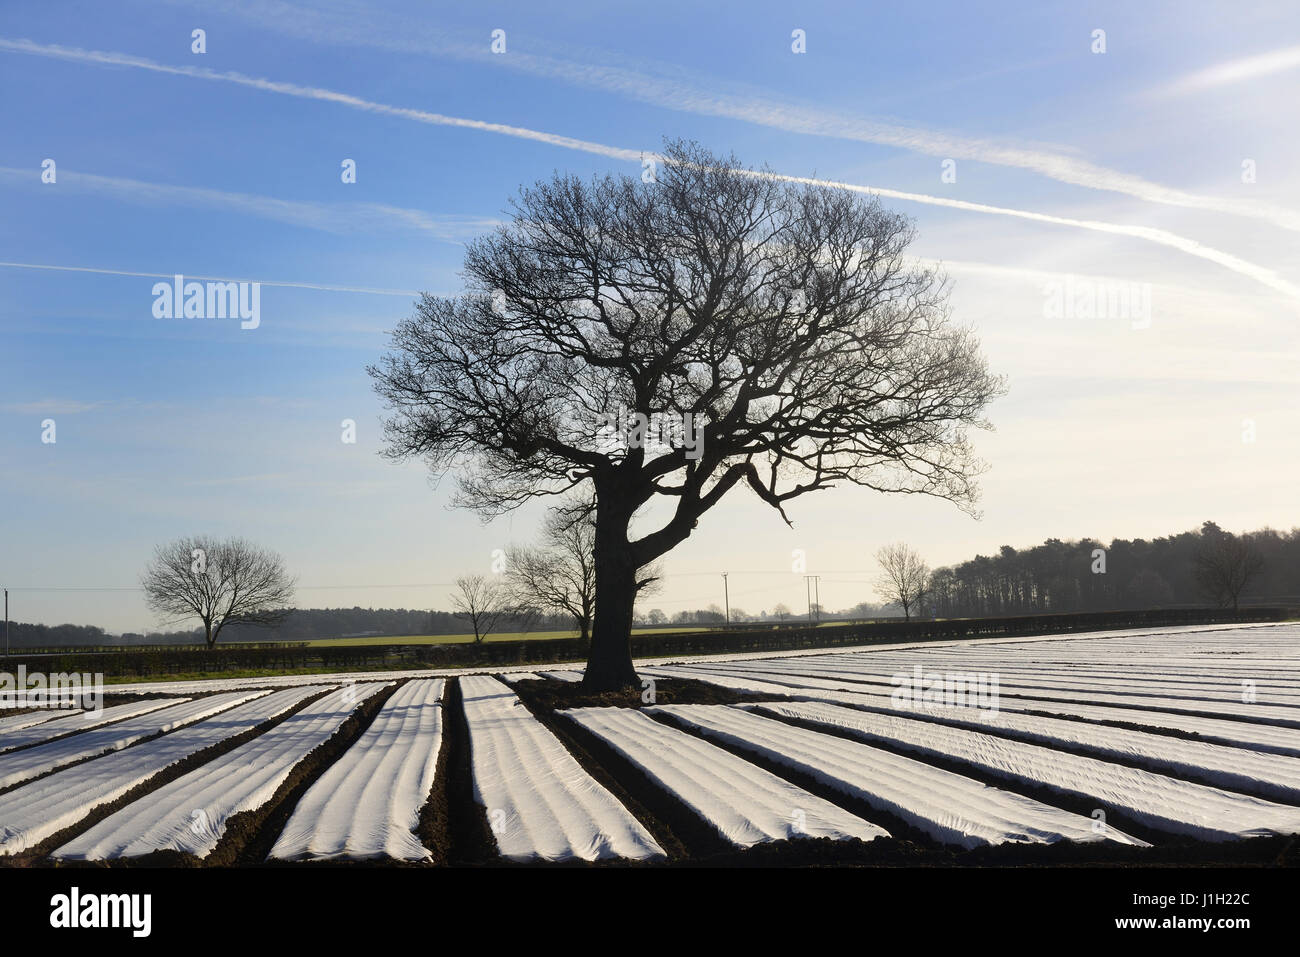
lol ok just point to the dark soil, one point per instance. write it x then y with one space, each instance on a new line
1081 806
548 695
685 837
1081 750
921 850
1186 708
434 825
915 841
250 835
109 701
678 830
456 829
463 835
1150 728
36 854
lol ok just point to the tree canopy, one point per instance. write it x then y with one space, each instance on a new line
219 582
778 330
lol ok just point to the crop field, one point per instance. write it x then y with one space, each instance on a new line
1171 745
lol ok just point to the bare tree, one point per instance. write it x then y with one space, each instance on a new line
904 578
781 612
775 330
485 601
219 582
1225 564
560 573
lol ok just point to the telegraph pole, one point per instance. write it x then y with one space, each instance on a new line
6 623
812 585
726 597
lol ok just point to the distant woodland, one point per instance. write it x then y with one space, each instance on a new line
1056 576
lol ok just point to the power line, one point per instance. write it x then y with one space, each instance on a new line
771 589
670 575
298 587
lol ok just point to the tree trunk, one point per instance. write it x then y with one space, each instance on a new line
609 663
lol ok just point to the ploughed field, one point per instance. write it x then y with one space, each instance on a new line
1124 748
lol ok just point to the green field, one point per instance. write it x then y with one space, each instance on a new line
468 639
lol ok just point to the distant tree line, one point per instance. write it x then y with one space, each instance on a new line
300 624
778 613
1208 566
24 635
305 624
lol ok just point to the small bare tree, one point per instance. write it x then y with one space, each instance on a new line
904 579
560 573
484 601
1225 564
218 582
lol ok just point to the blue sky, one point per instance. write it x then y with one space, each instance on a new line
1123 169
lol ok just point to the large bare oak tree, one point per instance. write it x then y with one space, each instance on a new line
783 319
219 582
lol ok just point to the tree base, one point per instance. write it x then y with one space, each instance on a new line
610 676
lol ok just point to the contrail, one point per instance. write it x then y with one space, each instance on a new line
1235 71
810 120
1162 237
310 93
673 88
329 217
264 282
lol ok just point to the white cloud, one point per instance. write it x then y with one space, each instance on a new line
1163 237
1260 274
1235 71
51 407
330 217
265 282
311 93
671 87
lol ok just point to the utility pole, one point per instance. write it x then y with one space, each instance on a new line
6 623
726 597
812 584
